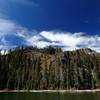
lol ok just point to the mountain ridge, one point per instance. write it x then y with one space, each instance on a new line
49 68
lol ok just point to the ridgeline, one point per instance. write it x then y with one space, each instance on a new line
28 68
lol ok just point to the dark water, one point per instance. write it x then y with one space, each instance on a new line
49 96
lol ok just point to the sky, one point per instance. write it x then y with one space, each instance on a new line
69 24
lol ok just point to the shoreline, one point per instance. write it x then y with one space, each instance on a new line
51 91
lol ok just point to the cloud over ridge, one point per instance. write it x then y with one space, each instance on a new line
12 35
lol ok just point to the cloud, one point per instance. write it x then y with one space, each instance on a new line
6 27
65 40
13 35
9 30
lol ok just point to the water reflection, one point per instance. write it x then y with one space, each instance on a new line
50 96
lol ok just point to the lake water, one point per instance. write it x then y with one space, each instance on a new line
50 96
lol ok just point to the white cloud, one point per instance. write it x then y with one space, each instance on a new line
6 27
65 40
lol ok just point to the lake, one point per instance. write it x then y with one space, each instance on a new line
50 96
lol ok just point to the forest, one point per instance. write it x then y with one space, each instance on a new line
30 68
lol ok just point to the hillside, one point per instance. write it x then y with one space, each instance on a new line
49 68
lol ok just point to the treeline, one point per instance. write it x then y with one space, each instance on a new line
49 68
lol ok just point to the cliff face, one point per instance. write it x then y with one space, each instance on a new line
49 68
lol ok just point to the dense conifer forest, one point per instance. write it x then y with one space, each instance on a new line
28 68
